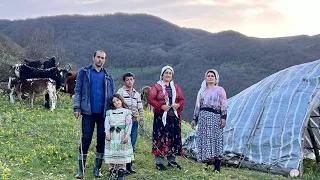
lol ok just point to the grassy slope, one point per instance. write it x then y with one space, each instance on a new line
38 144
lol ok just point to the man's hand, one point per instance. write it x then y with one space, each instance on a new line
193 124
165 107
223 123
76 114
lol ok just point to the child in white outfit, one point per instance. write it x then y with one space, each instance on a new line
118 149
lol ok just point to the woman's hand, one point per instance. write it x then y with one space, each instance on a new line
125 140
108 137
193 124
175 106
165 107
223 123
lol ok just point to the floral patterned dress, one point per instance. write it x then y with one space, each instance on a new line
167 139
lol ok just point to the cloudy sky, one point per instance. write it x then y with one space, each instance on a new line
259 18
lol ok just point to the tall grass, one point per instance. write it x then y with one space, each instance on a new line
39 144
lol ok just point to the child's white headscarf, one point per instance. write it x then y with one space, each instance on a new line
174 93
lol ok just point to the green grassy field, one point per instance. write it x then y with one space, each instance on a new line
118 72
39 144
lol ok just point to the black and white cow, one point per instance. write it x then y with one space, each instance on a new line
33 88
23 72
33 63
50 63
24 75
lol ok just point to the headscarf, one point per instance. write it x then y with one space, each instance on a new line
204 85
174 93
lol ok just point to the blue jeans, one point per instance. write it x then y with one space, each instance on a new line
134 134
88 124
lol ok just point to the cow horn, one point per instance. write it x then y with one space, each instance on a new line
69 67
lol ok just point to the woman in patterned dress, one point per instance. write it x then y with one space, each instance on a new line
168 101
118 149
210 115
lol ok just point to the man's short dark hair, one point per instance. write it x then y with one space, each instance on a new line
95 53
128 74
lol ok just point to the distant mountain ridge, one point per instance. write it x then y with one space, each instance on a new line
143 43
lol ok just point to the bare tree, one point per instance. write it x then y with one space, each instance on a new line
38 41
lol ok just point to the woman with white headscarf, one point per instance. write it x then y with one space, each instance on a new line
210 116
168 101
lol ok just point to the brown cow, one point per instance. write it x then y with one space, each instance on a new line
70 83
144 98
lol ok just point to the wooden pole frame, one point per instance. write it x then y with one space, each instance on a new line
288 172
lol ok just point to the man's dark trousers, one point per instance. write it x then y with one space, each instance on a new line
88 124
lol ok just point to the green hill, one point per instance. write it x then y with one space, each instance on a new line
10 53
143 44
39 144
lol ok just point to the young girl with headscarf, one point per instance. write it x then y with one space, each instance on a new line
167 99
210 116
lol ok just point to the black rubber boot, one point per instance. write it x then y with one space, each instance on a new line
82 166
217 165
161 167
129 168
126 172
97 165
120 174
174 165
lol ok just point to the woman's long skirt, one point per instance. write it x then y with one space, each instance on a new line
209 136
166 139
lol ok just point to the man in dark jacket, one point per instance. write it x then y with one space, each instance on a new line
94 88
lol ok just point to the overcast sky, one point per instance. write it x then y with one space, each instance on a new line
259 18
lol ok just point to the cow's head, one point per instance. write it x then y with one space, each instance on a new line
63 74
16 69
50 63
61 77
69 67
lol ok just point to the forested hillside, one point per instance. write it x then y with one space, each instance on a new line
10 53
143 43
